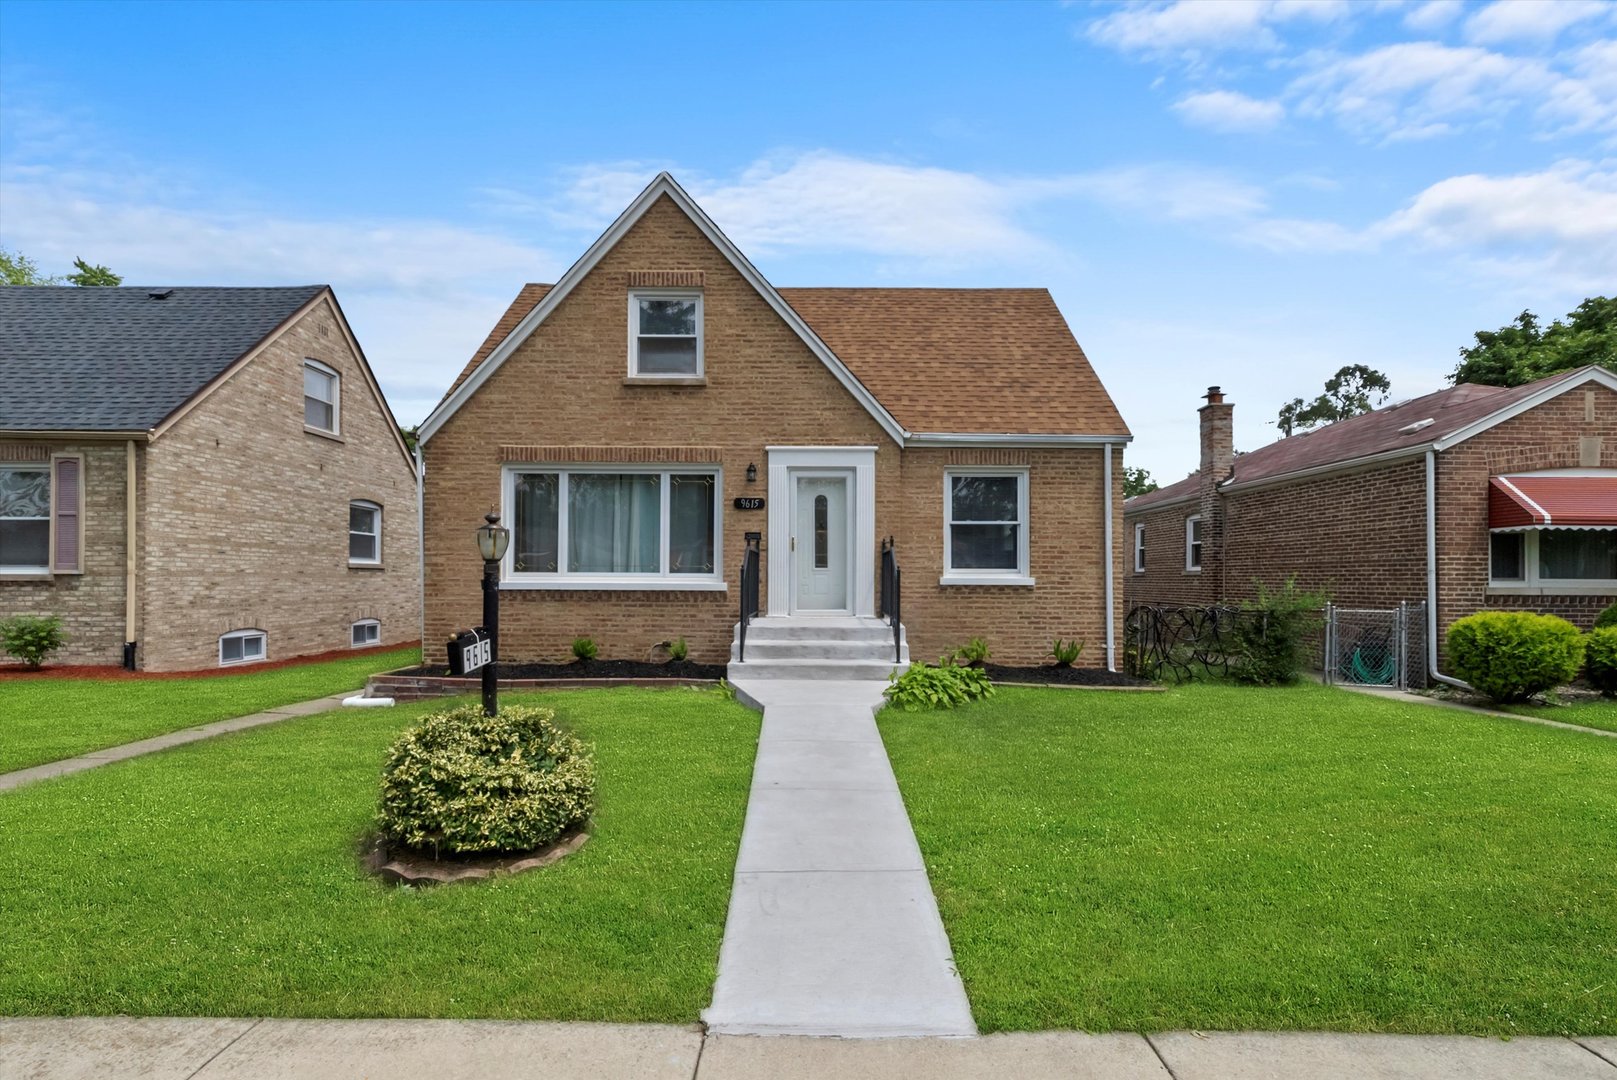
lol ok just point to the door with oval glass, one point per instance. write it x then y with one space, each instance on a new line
820 545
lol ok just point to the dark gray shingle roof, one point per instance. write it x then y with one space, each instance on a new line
115 359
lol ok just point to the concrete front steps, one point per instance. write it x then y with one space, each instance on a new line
832 647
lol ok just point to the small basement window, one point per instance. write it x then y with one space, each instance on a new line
665 335
242 647
364 533
321 397
365 632
1193 543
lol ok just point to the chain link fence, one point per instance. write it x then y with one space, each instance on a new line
1376 646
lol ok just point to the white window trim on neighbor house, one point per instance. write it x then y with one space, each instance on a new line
1193 546
561 578
637 295
30 569
1139 548
376 521
974 576
335 430
368 629
244 636
1531 583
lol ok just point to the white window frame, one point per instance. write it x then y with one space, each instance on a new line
1193 565
377 509
370 625
1139 548
663 580
49 471
1020 576
243 636
1531 583
336 399
637 295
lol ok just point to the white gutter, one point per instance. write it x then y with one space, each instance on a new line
1030 442
1431 575
1106 503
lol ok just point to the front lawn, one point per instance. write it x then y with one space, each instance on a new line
1217 857
1588 712
46 719
221 879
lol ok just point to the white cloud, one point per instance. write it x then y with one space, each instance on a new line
1193 25
1229 111
1433 15
1530 20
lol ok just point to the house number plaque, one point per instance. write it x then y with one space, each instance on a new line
749 502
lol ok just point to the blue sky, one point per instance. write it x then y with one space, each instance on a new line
1248 192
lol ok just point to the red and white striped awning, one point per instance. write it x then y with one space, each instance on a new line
1552 502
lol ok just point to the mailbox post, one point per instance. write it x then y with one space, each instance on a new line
492 540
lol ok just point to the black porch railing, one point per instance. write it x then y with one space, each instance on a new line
749 595
891 599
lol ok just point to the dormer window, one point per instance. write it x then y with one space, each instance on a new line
665 334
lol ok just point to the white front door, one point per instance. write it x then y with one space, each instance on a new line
820 546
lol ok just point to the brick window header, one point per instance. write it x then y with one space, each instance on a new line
665 279
612 455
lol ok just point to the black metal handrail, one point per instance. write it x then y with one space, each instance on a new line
891 600
749 595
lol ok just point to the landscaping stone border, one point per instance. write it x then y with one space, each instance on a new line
408 869
406 687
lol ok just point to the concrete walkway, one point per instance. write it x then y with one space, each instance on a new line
832 928
163 742
1421 699
202 1049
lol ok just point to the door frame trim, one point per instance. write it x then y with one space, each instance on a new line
784 463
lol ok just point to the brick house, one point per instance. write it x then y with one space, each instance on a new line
198 477
634 423
1472 498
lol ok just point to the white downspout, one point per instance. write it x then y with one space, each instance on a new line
421 542
1106 502
1431 575
131 559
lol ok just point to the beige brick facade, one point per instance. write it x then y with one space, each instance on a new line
562 396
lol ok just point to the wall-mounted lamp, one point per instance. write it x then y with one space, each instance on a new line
752 473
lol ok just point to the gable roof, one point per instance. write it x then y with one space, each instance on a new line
116 359
927 364
1455 415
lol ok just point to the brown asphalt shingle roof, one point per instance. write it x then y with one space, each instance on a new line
956 361
1377 432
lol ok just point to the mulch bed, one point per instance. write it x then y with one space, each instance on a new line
404 867
1050 675
113 671
586 669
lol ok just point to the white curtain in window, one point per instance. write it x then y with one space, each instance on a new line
614 523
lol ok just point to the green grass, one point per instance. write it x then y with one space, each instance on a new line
1598 713
1226 858
46 719
221 879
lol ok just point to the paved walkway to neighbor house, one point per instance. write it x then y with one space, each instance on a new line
1422 699
116 1048
163 742
833 929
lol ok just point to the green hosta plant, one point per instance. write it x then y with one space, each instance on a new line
1600 659
1066 653
678 651
1512 655
973 653
31 638
941 687
584 649
464 783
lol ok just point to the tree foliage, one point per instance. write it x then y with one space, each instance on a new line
18 269
1353 390
92 275
1522 350
1137 481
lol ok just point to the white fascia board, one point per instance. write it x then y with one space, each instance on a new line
1019 442
664 184
1548 393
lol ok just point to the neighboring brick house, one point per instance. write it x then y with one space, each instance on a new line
616 417
197 477
1475 497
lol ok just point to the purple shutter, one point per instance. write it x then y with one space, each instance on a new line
67 559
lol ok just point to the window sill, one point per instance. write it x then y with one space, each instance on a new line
1193 569
332 435
579 583
1593 588
1018 580
26 575
665 380
366 566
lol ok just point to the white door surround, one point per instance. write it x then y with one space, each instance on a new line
858 465
821 542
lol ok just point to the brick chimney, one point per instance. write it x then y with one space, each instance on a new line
1218 458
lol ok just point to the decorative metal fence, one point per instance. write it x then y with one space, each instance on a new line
1376 647
1179 642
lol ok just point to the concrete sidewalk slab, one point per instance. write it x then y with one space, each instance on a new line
813 829
828 765
98 1048
1603 1046
457 1050
819 723
1296 1055
1038 1056
1421 699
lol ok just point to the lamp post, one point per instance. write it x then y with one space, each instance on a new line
492 540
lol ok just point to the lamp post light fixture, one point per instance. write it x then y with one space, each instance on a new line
492 540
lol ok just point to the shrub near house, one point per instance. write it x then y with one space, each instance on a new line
1510 656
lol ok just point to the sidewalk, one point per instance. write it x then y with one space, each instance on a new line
1390 694
163 742
832 928
205 1049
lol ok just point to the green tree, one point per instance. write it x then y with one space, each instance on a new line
1523 350
1136 481
88 275
411 436
1353 390
18 269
